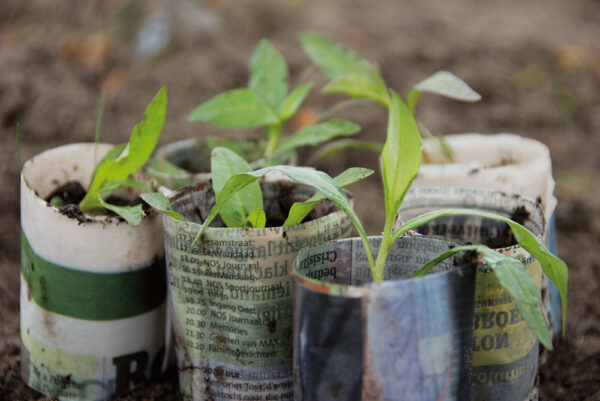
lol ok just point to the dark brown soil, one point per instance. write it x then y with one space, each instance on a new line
68 196
536 64
70 193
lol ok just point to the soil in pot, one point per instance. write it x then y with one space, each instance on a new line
68 196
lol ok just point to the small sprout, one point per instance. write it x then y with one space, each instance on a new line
18 142
56 201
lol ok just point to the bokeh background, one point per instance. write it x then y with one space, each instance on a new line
536 64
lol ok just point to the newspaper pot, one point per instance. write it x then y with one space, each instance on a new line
505 162
505 350
231 293
398 339
93 288
191 157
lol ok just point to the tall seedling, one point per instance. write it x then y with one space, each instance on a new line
358 78
268 102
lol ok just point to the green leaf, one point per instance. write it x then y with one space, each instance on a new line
112 154
294 100
318 133
446 84
553 267
268 75
358 86
351 73
515 279
111 186
160 202
131 214
141 144
334 60
401 156
342 145
316 179
256 219
237 108
300 210
224 164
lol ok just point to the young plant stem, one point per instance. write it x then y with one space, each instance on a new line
339 107
304 75
273 132
411 100
378 270
98 127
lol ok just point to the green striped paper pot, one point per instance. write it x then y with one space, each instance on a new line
504 162
231 294
93 288
505 350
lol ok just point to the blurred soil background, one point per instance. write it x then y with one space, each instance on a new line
536 63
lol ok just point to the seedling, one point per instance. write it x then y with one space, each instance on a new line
358 78
400 161
267 102
122 161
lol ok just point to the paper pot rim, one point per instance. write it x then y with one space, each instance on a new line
504 139
89 218
172 147
539 220
359 291
182 192
535 158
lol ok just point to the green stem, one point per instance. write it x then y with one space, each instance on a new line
98 126
339 107
304 75
411 100
273 132
384 250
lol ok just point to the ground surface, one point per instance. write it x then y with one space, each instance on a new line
536 63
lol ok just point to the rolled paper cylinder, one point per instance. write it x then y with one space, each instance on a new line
505 162
505 350
359 340
231 294
93 288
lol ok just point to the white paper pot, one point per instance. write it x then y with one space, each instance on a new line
92 289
